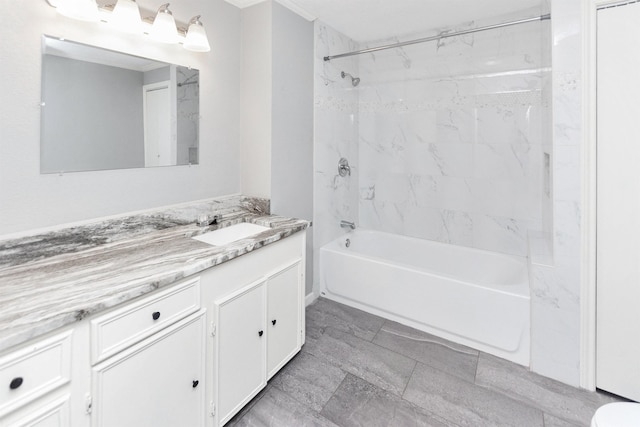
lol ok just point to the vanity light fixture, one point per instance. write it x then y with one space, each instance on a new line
196 38
126 16
164 27
84 10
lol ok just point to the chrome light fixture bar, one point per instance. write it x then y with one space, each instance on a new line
125 16
83 10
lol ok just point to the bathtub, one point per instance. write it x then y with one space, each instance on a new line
469 296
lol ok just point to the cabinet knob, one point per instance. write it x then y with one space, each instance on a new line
273 322
156 315
15 383
195 383
260 333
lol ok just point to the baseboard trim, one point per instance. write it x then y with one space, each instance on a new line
310 298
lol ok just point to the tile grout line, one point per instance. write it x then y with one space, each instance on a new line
415 365
384 322
415 405
249 406
362 324
503 393
475 373
334 392
325 404
411 404
415 362
521 399
432 366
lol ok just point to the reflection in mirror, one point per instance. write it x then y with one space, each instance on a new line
108 110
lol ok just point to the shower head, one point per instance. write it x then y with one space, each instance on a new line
355 81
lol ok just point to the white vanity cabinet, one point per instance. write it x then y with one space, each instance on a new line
190 354
156 378
257 325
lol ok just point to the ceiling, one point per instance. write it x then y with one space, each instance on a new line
371 20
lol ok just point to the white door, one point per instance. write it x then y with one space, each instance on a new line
618 201
240 349
283 318
157 125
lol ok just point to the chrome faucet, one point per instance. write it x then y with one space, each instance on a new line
343 167
205 220
347 224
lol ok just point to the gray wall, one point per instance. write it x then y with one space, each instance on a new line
292 121
92 117
255 129
277 107
158 75
31 200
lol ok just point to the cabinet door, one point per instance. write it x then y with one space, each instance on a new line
158 382
240 348
283 320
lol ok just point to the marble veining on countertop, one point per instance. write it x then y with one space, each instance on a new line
51 280
78 238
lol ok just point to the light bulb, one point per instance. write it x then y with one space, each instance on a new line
164 26
126 16
196 39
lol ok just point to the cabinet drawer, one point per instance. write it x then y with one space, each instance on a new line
121 328
49 415
34 371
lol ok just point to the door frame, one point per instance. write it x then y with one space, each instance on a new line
589 187
151 87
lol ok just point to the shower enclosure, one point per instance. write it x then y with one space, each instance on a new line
448 140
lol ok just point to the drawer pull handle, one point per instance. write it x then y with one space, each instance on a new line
156 315
260 333
273 322
195 383
15 383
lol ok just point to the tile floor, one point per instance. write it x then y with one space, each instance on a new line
357 369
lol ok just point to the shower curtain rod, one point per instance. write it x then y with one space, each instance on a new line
195 82
438 37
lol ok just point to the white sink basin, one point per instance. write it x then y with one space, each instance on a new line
231 233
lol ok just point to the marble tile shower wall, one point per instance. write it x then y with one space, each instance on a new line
335 136
556 289
451 141
188 112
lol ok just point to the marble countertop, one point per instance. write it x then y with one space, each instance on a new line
53 279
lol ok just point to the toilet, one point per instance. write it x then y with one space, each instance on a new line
619 414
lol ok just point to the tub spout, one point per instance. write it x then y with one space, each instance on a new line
348 224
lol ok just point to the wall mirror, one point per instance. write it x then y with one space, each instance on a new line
108 110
